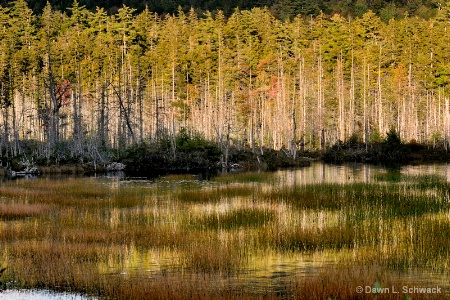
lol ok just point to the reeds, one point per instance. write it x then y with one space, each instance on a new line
384 200
214 194
246 217
103 238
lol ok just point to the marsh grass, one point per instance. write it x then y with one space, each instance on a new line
396 176
215 193
246 177
401 245
96 237
54 265
389 176
315 240
340 282
210 257
179 177
233 219
19 211
366 200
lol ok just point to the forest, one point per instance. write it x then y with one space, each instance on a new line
85 85
281 9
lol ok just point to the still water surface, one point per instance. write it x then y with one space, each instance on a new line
352 173
39 295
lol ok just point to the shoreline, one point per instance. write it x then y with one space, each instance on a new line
245 160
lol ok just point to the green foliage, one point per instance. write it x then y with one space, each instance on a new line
354 141
190 143
392 140
184 152
282 9
361 8
186 142
388 12
442 75
375 136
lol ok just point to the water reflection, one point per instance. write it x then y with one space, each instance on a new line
326 173
271 270
355 173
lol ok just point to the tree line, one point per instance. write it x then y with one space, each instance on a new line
78 83
281 9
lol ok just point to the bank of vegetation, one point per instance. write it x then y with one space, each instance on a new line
389 151
85 87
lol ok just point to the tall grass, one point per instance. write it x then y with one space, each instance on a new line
234 219
215 193
384 200
103 238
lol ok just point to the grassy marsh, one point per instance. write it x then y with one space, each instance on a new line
204 240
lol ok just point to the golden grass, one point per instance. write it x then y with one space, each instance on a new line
95 237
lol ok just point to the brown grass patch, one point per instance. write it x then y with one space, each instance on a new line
18 211
214 257
340 282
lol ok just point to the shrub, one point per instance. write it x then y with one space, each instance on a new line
392 139
191 151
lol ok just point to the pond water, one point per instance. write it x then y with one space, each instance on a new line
316 173
252 231
39 295
351 173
